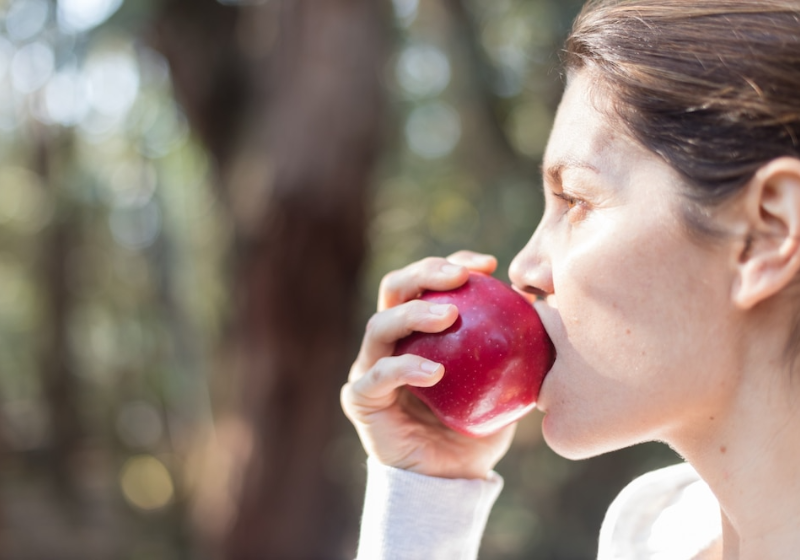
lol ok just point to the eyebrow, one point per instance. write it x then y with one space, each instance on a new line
552 173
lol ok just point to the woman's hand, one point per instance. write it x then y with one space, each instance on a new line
394 426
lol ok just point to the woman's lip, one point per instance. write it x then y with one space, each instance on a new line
548 314
540 404
546 310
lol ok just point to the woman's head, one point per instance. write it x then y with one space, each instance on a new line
656 333
709 85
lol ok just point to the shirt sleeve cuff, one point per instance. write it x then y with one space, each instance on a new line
409 516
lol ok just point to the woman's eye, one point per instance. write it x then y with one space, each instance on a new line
576 208
569 200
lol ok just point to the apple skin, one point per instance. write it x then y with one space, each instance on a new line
495 357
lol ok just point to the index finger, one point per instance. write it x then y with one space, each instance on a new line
478 262
432 273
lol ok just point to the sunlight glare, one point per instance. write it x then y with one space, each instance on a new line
76 16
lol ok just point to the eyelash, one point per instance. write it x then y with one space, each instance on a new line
576 207
570 200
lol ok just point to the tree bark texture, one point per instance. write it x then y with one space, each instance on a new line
287 96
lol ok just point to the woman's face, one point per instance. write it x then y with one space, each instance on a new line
639 312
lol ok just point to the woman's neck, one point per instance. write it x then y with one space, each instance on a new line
749 454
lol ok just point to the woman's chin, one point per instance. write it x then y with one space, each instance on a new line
570 441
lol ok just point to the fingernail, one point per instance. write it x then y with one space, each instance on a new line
439 309
452 269
428 366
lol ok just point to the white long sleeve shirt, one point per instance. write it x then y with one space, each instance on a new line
667 514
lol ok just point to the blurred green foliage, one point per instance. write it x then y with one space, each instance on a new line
112 240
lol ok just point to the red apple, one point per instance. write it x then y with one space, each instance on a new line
495 357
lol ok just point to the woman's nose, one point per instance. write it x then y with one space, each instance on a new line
531 270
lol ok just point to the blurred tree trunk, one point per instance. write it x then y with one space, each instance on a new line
59 385
287 98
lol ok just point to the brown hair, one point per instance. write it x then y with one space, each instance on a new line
713 86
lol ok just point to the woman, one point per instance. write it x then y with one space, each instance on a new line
665 269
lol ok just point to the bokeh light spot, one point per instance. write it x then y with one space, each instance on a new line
32 66
112 82
423 70
65 99
26 19
146 483
405 11
433 130
75 16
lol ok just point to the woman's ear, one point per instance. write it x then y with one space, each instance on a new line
769 257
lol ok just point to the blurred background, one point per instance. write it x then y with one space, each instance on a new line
197 201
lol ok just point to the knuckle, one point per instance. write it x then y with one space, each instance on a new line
420 273
431 263
372 325
378 370
383 371
404 312
411 314
415 311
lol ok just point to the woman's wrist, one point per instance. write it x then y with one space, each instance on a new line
446 517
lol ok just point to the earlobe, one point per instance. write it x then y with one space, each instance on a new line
769 255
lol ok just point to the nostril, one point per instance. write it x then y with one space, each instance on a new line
534 291
531 295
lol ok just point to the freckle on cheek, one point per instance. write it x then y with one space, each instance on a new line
627 331
723 449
